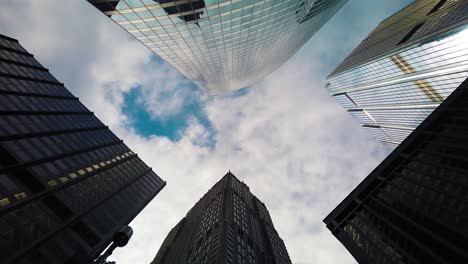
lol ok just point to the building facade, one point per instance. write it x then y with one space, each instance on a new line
222 45
404 68
413 207
67 183
229 225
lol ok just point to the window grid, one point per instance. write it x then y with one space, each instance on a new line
230 44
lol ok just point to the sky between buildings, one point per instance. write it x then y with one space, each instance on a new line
296 149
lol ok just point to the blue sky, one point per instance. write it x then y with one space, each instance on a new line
146 125
296 149
171 125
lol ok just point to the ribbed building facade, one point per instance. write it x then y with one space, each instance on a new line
222 45
404 68
413 208
229 225
67 183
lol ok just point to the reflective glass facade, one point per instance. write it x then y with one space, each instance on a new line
405 68
222 45
67 183
413 207
229 225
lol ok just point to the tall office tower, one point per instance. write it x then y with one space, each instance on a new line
229 225
222 45
413 207
67 183
404 68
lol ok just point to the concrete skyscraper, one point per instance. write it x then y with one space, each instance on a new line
413 207
404 68
222 45
67 183
228 225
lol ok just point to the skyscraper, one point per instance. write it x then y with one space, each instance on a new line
404 68
67 183
222 45
228 225
413 207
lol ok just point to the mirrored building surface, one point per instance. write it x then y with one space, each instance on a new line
222 45
404 68
228 225
67 183
413 207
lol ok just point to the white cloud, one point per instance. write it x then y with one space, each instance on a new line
298 151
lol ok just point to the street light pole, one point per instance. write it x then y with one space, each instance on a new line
120 239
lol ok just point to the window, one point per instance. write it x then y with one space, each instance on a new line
58 207
86 233
437 7
411 33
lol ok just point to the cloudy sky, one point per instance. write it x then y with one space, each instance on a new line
299 152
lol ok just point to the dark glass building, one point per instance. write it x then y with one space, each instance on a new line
229 225
413 208
67 183
404 68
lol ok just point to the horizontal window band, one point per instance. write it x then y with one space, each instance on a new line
445 167
444 155
449 145
38 95
394 107
459 112
40 195
8 38
388 126
255 22
51 133
16 51
45 113
147 7
435 176
388 142
29 79
406 78
24 65
57 157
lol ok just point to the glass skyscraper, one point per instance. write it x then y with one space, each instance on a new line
404 68
67 183
413 207
222 45
228 225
